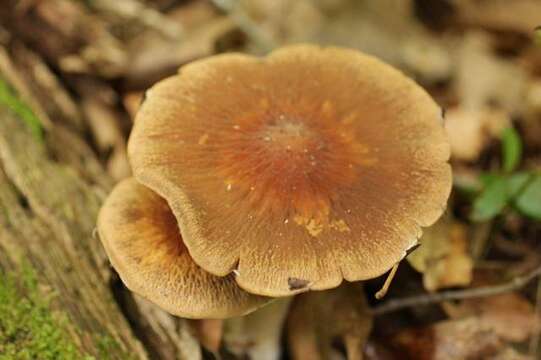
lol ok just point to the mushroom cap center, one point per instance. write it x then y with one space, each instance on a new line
291 163
290 140
287 130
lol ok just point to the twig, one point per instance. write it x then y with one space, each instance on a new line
260 38
485 291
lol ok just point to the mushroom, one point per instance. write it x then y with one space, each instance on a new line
294 171
141 238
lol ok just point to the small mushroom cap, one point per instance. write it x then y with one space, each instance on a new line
141 238
298 170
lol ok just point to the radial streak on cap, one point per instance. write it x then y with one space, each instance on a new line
141 237
299 169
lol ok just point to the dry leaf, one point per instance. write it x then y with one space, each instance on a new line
482 328
510 316
470 131
138 11
483 78
103 123
284 21
67 34
443 256
154 56
531 121
520 16
395 36
448 340
510 353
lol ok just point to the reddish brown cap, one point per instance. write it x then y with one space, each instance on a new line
297 170
141 237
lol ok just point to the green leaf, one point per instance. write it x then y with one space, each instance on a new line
492 200
517 182
528 201
487 178
511 149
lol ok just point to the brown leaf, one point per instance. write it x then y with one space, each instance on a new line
497 81
154 56
482 328
510 316
395 36
443 256
518 15
448 340
530 122
470 131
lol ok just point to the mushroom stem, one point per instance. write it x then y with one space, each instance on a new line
257 335
383 291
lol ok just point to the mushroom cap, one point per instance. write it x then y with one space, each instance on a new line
298 170
141 238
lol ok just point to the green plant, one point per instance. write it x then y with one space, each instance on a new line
508 188
29 329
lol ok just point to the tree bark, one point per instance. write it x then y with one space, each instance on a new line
51 188
53 233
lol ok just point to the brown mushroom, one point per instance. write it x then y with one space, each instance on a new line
141 238
297 170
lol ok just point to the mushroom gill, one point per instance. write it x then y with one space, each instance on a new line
141 238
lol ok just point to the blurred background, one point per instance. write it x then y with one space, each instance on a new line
72 76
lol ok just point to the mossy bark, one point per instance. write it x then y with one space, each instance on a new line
51 188
46 220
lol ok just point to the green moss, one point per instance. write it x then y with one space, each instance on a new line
9 99
28 327
537 36
105 344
